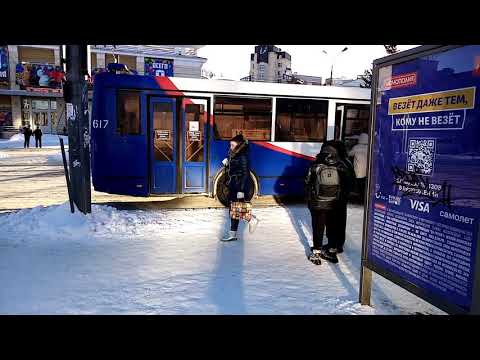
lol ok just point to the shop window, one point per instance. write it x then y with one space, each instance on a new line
130 61
247 116
5 111
36 55
128 113
39 104
299 120
93 60
109 59
40 118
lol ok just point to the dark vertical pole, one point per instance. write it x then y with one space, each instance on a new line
76 99
67 176
365 291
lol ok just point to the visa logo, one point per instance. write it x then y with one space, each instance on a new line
420 206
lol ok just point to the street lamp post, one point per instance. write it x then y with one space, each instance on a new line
331 68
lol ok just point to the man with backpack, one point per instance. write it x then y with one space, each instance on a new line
337 228
327 185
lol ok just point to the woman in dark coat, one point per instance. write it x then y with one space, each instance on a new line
237 170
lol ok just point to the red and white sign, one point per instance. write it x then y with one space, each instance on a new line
400 81
44 90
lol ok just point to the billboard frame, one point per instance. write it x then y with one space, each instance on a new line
367 268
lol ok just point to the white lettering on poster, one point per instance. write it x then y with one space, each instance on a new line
419 206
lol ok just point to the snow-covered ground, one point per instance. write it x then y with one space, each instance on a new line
48 140
171 262
56 159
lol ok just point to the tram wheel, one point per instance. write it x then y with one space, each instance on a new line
223 193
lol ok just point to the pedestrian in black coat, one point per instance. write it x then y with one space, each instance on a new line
38 137
237 170
327 183
27 133
336 225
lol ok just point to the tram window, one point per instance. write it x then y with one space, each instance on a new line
194 137
247 116
163 130
356 120
301 120
128 113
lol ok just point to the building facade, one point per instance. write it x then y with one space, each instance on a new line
306 79
345 82
31 78
269 64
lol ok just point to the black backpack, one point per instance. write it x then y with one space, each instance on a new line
325 183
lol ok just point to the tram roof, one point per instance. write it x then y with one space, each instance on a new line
191 85
265 88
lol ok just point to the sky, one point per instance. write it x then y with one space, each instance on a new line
233 61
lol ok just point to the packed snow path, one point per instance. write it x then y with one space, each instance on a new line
172 262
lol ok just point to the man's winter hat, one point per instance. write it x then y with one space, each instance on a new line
238 138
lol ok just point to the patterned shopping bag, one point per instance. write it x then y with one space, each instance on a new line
241 210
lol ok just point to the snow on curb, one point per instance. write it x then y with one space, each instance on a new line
56 159
57 223
16 141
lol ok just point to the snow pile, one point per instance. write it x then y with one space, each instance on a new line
16 138
3 155
44 224
48 140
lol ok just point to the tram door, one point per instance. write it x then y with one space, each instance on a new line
164 145
179 156
194 151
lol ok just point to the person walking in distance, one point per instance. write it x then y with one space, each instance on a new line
324 182
237 172
38 137
359 153
27 133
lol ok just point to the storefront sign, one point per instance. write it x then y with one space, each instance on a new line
424 197
158 67
399 81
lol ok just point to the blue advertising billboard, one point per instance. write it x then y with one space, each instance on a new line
158 67
4 64
422 221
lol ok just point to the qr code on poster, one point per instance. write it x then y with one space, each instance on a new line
421 156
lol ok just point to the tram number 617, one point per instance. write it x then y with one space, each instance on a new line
99 124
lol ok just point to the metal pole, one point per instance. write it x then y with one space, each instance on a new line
331 75
67 177
365 291
76 98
